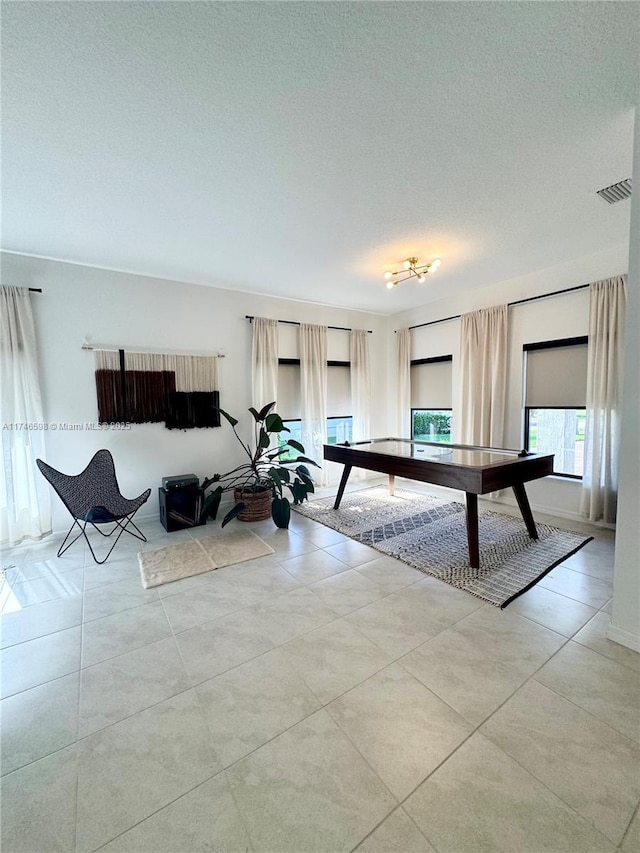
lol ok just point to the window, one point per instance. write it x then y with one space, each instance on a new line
295 432
431 413
339 424
561 432
555 402
431 424
339 430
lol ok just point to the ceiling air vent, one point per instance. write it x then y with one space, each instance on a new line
616 192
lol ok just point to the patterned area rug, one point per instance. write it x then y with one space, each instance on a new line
200 555
430 534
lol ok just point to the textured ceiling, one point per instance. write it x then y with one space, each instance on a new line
300 149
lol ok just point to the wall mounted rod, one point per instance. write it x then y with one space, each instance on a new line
35 290
509 305
544 295
433 322
150 350
249 317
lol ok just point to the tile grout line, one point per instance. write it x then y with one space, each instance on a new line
585 711
477 731
625 834
325 705
532 678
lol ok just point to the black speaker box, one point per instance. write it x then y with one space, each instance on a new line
180 508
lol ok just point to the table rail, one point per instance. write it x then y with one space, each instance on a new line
507 451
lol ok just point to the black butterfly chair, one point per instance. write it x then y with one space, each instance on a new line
93 497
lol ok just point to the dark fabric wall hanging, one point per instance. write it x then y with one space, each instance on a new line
152 388
146 395
110 400
191 409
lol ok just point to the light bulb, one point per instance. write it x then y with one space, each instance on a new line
407 264
421 277
435 263
389 285
388 275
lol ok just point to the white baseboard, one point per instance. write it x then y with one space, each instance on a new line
152 512
546 510
624 638
560 513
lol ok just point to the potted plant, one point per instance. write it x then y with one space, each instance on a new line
265 475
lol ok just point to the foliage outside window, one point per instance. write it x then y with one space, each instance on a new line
431 425
559 431
339 430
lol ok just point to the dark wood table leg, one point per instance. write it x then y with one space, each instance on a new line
472 530
525 509
343 483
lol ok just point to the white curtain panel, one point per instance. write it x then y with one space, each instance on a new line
403 383
360 384
313 388
360 394
25 508
264 362
607 306
483 370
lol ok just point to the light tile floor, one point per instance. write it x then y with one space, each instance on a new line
326 698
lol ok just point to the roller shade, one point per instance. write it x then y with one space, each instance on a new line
556 376
338 391
431 384
289 392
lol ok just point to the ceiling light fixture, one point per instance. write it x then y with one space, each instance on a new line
413 270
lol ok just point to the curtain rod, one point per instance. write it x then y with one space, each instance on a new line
250 318
509 305
35 290
150 351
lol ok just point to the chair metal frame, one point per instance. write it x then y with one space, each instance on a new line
93 497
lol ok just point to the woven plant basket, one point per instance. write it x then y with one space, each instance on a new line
257 505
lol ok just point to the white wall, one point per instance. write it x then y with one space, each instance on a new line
625 621
129 311
136 311
554 317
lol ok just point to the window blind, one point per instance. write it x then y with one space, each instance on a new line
556 374
431 384
289 392
338 391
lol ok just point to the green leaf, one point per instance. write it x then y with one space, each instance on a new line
256 415
229 417
281 512
281 474
265 410
299 491
306 459
233 512
264 440
273 423
307 481
209 480
277 453
211 505
296 445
